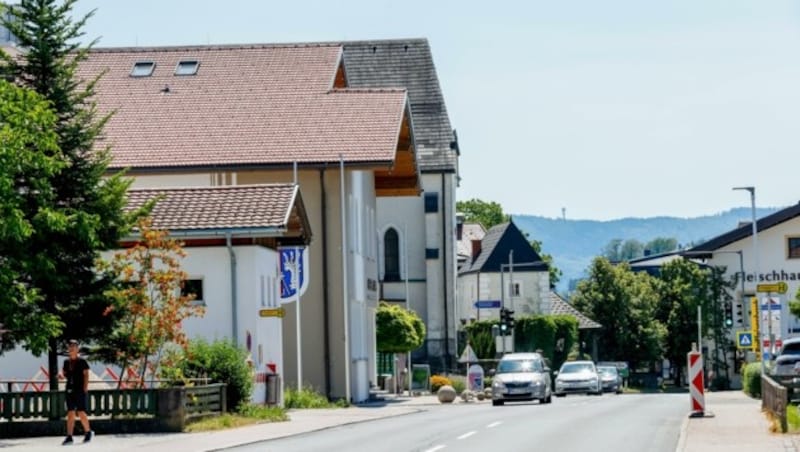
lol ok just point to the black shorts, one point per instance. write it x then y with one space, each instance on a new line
77 401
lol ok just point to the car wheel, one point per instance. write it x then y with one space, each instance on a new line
560 395
497 403
548 399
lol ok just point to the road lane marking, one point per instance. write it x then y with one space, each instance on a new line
435 448
466 435
494 424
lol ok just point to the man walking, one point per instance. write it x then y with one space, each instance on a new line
76 371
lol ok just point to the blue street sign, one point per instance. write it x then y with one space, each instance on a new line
745 339
486 304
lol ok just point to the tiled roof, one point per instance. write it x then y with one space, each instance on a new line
496 246
254 105
266 206
746 230
561 306
408 63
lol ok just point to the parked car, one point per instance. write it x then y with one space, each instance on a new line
610 379
786 369
577 377
521 377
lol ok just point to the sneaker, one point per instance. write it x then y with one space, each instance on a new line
88 437
67 441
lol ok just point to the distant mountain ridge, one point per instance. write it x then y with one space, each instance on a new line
574 243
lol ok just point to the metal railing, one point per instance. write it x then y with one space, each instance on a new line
775 399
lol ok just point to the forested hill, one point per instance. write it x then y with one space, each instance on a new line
573 243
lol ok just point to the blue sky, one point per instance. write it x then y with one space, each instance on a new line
610 109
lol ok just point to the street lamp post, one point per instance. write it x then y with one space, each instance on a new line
752 191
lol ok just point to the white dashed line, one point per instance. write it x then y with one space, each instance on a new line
494 424
435 448
466 435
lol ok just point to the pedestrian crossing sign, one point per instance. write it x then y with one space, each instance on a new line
744 339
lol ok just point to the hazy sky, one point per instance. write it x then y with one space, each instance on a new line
607 108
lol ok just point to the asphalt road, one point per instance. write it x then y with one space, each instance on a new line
616 423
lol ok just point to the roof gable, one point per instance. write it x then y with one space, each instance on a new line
560 306
256 105
496 246
746 230
408 63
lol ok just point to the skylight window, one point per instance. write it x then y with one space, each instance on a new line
143 69
187 67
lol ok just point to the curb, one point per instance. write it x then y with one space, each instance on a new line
313 430
682 439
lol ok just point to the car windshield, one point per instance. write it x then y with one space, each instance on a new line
791 349
519 365
607 371
573 368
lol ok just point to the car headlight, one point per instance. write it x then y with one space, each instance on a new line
498 384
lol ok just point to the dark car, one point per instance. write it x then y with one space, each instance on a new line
786 369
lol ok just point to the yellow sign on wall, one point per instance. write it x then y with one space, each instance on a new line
271 312
778 287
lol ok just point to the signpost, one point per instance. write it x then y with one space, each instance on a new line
755 326
779 287
771 315
744 339
487 304
271 312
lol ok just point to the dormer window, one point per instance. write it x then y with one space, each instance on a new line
187 67
143 69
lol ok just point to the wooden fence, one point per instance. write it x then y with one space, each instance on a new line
775 399
167 409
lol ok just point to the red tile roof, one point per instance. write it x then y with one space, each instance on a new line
246 106
224 207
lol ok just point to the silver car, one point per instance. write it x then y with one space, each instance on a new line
578 377
610 379
521 377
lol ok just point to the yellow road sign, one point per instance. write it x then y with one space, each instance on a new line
780 287
271 312
754 326
744 339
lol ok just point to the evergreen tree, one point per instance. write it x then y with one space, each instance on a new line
61 253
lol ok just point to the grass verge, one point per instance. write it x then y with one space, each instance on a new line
793 418
247 415
309 398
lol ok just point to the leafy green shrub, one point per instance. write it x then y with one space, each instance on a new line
459 385
437 381
222 362
487 382
751 380
263 413
309 398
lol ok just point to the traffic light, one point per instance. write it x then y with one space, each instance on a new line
739 313
728 314
503 321
510 321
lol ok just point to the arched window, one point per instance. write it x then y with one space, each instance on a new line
391 256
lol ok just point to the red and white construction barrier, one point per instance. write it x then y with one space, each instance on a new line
696 384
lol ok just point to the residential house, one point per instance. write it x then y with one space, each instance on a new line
504 270
207 116
417 258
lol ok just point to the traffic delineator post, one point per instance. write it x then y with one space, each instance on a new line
696 386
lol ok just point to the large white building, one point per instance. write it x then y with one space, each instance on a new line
416 234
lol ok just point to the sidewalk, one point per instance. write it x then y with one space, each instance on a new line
738 425
302 421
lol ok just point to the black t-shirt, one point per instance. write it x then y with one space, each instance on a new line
73 372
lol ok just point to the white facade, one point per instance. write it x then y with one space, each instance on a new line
527 294
428 259
212 265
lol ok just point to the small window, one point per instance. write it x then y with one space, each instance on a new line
391 255
187 67
143 69
794 247
193 286
431 202
515 289
431 253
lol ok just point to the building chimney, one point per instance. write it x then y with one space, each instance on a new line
459 226
476 249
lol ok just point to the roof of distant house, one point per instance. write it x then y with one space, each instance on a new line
496 246
240 106
239 208
561 306
746 230
408 63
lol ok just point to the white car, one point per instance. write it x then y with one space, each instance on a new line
521 377
577 377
